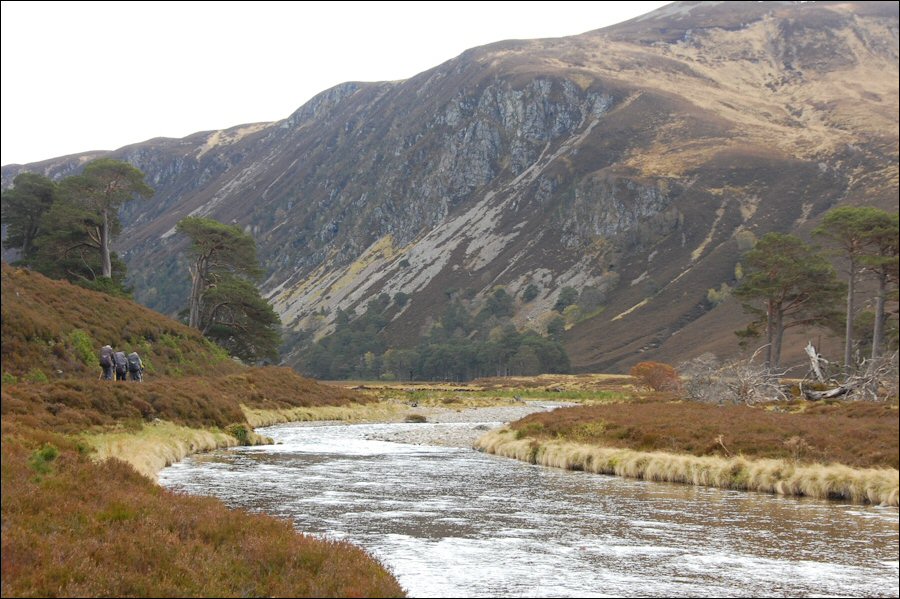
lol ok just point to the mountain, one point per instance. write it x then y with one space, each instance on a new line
633 163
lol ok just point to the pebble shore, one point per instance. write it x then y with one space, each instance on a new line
450 427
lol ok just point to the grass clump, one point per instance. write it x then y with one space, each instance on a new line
82 346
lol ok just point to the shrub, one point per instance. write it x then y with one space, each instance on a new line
714 296
529 429
41 458
567 297
572 314
239 432
36 375
82 346
401 298
556 326
416 418
745 240
655 376
530 293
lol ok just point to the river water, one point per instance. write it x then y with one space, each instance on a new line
453 522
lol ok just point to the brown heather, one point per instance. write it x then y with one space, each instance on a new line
829 450
40 317
74 406
857 434
74 527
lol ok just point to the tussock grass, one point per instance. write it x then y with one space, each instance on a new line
834 481
156 445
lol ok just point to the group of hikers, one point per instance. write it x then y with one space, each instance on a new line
116 362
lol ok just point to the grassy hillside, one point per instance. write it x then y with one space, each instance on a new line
73 526
53 330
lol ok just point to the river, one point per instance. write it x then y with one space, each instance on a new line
452 522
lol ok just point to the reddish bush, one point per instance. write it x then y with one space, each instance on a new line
655 376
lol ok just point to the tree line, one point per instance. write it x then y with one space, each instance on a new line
788 283
460 346
65 230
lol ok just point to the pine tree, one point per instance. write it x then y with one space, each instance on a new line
224 303
795 285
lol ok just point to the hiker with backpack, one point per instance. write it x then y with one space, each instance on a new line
121 366
107 362
135 367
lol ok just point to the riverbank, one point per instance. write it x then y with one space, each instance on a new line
576 439
155 445
821 481
453 522
827 450
76 523
75 527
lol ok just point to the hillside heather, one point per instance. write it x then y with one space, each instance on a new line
53 329
73 526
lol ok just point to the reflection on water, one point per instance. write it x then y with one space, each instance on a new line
452 522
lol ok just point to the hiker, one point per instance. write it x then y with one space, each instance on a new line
107 362
135 367
121 366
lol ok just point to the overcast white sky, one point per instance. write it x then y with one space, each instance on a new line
79 76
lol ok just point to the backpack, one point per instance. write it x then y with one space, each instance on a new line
134 362
106 359
121 362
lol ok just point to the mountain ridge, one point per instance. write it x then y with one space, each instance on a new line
627 160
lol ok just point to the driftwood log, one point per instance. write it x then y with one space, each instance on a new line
836 392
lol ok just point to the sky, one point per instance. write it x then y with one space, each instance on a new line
80 76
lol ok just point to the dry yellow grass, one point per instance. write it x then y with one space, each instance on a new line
156 445
832 481
351 413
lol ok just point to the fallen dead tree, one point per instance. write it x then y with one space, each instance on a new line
876 380
745 382
733 382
